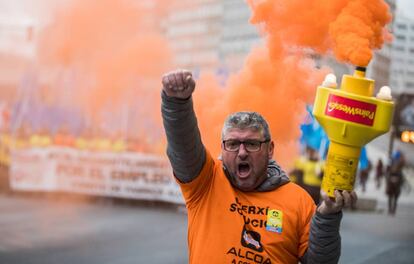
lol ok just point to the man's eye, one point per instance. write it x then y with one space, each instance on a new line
232 143
252 143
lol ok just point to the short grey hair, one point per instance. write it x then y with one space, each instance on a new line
246 120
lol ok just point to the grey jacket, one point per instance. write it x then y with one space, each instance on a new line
187 155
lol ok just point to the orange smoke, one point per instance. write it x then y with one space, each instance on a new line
117 56
296 22
277 89
359 29
349 28
280 79
113 52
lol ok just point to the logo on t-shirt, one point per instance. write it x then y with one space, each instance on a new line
274 221
251 239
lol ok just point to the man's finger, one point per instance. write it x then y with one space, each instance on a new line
172 84
326 198
186 76
347 199
190 82
339 200
179 80
165 81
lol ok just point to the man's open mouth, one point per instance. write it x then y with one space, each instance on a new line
243 170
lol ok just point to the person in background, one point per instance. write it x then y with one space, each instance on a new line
364 174
63 137
379 173
84 140
242 207
21 138
100 141
310 169
394 180
5 143
41 139
118 142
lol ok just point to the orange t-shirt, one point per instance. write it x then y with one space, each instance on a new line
226 225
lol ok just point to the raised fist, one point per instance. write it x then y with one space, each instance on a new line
178 83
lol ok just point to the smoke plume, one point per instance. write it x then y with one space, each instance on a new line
114 55
110 55
278 80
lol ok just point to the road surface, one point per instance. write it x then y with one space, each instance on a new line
43 230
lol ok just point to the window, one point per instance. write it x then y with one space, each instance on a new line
400 37
399 48
402 26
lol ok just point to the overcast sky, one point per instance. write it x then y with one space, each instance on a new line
35 10
30 9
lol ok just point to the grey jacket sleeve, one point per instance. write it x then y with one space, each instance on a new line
185 149
324 245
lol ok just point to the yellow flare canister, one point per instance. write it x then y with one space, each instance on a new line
351 117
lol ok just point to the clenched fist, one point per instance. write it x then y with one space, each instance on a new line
179 84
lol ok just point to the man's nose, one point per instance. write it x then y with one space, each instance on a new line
242 151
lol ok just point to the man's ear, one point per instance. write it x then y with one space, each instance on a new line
271 149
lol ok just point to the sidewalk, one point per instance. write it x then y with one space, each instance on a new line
377 197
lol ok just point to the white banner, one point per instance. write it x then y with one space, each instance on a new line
126 175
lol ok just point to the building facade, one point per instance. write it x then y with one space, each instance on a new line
379 67
402 54
210 35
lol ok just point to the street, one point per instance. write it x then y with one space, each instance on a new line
65 229
373 237
41 231
54 229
